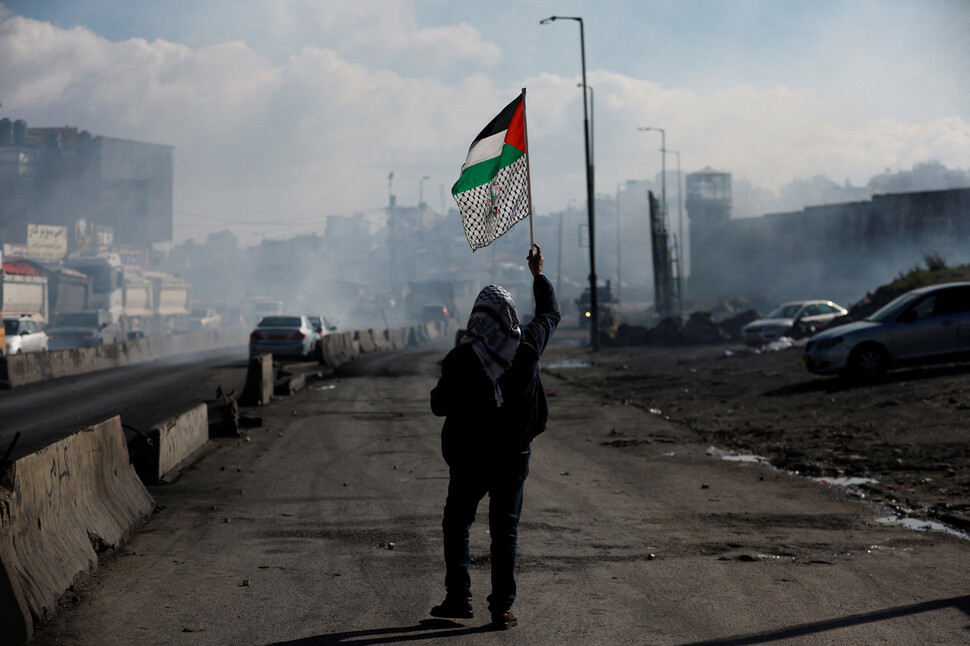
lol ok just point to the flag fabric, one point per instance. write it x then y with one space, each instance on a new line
493 190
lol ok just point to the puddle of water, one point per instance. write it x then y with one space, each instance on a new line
845 481
569 363
735 457
922 525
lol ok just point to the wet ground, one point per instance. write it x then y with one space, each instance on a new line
903 441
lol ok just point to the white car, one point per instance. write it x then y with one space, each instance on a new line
24 334
204 318
792 319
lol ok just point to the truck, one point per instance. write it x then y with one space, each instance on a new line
83 328
137 299
107 285
605 307
136 302
25 291
171 302
261 306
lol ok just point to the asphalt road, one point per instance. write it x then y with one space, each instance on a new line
142 395
323 527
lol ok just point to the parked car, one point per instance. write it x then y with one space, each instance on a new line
322 325
204 318
283 337
793 319
83 329
24 334
921 326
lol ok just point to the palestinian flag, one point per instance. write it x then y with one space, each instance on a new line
493 190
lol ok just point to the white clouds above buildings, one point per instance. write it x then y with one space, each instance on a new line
266 134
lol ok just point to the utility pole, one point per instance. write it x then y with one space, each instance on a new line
590 189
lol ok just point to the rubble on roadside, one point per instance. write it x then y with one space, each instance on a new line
700 328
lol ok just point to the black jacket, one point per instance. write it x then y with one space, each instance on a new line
474 426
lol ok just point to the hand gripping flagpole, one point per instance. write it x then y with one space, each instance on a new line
528 169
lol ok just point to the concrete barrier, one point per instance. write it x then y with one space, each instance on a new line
258 390
59 507
171 443
366 341
339 349
398 338
381 342
290 383
33 367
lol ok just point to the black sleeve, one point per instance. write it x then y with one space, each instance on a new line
442 397
540 329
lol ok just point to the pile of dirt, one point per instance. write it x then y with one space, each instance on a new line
908 432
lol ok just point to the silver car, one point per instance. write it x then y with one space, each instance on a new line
283 336
921 326
795 318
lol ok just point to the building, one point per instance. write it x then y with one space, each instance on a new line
836 251
101 189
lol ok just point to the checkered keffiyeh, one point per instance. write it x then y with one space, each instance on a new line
494 333
490 210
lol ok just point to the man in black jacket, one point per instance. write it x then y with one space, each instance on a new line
494 406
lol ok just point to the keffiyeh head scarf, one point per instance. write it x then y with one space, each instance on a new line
494 333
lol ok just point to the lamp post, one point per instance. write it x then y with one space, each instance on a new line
590 192
663 167
592 125
680 240
619 282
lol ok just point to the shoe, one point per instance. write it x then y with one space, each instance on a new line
454 608
504 620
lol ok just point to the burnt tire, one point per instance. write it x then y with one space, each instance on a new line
869 361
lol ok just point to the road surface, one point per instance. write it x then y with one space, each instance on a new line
142 395
323 527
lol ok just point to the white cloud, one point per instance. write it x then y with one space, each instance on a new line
385 33
318 132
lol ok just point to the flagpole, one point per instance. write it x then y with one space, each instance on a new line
528 170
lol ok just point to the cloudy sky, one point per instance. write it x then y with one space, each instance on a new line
284 111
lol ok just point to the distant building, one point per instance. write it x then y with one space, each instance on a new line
708 204
837 251
62 177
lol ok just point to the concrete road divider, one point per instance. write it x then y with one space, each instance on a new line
366 341
259 381
170 443
32 367
398 338
60 507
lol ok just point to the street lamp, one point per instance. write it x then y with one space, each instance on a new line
663 167
592 125
590 193
680 239
619 281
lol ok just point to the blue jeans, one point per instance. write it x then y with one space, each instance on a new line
503 480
